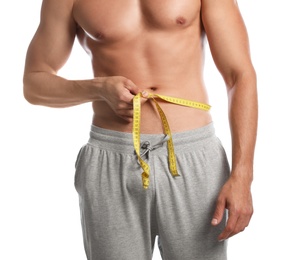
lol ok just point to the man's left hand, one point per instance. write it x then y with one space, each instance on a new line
236 197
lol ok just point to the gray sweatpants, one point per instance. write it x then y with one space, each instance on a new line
120 219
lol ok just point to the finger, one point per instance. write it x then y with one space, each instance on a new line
127 119
242 222
230 226
125 104
125 113
126 100
219 212
133 88
128 106
145 94
240 226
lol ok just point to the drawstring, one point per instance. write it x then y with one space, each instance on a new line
136 130
148 147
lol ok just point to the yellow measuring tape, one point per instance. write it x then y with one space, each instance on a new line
137 123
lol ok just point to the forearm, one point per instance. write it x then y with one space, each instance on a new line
43 88
243 116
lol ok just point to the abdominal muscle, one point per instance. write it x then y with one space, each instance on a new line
168 64
180 118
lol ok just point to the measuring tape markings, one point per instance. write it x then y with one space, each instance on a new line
136 130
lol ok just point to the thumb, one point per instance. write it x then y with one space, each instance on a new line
133 89
219 212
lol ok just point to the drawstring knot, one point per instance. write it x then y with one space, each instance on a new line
147 147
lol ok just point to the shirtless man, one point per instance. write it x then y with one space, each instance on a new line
141 46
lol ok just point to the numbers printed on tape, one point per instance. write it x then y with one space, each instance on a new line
136 130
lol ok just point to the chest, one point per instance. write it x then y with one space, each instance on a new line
102 19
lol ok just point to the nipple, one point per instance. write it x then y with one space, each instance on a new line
99 36
181 20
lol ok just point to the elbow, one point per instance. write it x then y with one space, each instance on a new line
29 93
246 77
29 97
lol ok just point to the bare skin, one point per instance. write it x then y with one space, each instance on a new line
152 46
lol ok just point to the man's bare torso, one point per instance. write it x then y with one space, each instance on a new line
158 45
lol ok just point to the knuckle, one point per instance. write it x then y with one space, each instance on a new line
220 200
112 81
126 81
238 230
247 212
119 112
229 228
235 211
124 97
120 105
119 78
242 211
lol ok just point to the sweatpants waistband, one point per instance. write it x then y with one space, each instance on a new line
123 142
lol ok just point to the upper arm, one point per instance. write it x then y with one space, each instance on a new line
227 37
53 40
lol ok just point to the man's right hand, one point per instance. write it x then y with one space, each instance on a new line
119 92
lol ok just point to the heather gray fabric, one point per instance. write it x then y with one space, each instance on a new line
120 219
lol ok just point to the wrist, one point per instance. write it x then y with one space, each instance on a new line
243 173
91 89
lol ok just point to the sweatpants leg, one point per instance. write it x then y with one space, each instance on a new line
116 213
185 204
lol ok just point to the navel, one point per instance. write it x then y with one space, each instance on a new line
153 89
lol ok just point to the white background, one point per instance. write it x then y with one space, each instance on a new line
39 206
